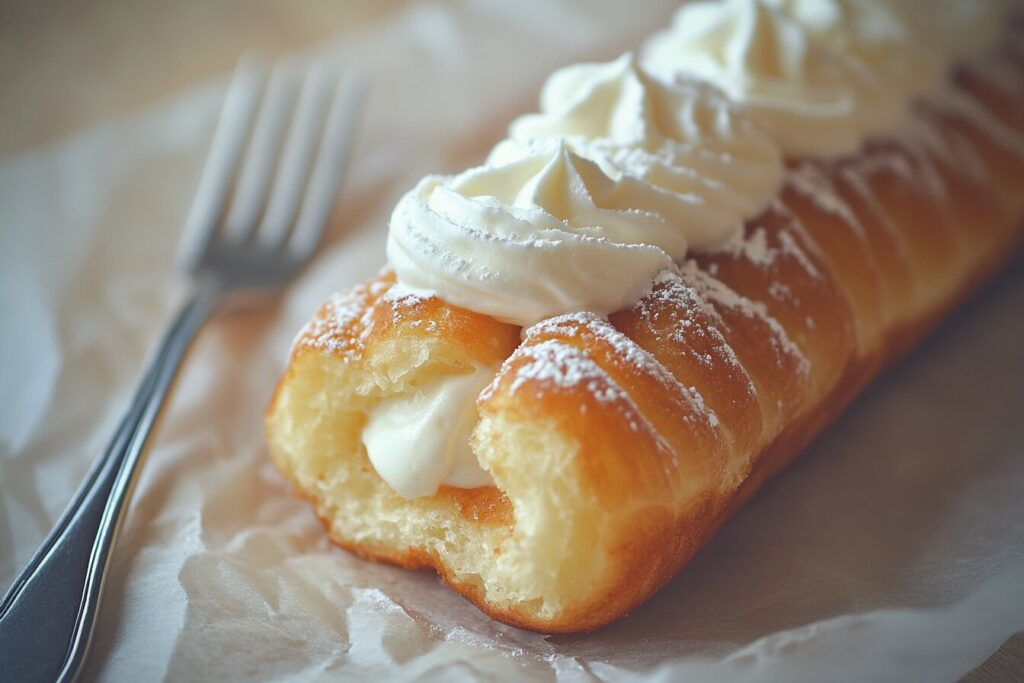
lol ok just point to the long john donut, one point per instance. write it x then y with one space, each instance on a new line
619 445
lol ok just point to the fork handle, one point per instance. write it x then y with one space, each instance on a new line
48 614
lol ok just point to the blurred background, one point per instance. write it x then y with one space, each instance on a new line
67 64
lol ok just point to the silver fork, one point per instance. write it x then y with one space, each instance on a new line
254 224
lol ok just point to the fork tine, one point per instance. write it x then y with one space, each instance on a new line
257 170
335 151
225 150
299 151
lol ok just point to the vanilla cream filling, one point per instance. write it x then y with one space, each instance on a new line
420 441
632 163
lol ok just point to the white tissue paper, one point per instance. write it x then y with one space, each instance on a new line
893 551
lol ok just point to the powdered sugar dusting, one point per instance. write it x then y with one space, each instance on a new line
402 294
628 352
966 106
673 291
790 247
403 300
717 291
563 365
946 145
751 246
554 362
341 325
811 182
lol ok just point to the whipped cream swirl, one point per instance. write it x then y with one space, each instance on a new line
909 44
822 76
616 178
684 139
884 40
547 234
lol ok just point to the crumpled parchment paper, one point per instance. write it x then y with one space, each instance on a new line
893 551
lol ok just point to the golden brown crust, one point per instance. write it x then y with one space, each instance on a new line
681 407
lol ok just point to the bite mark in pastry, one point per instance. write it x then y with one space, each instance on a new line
663 373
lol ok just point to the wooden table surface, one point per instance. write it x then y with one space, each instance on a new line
65 65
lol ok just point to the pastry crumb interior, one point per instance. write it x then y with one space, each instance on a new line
488 539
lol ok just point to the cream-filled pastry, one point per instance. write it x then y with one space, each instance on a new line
588 352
